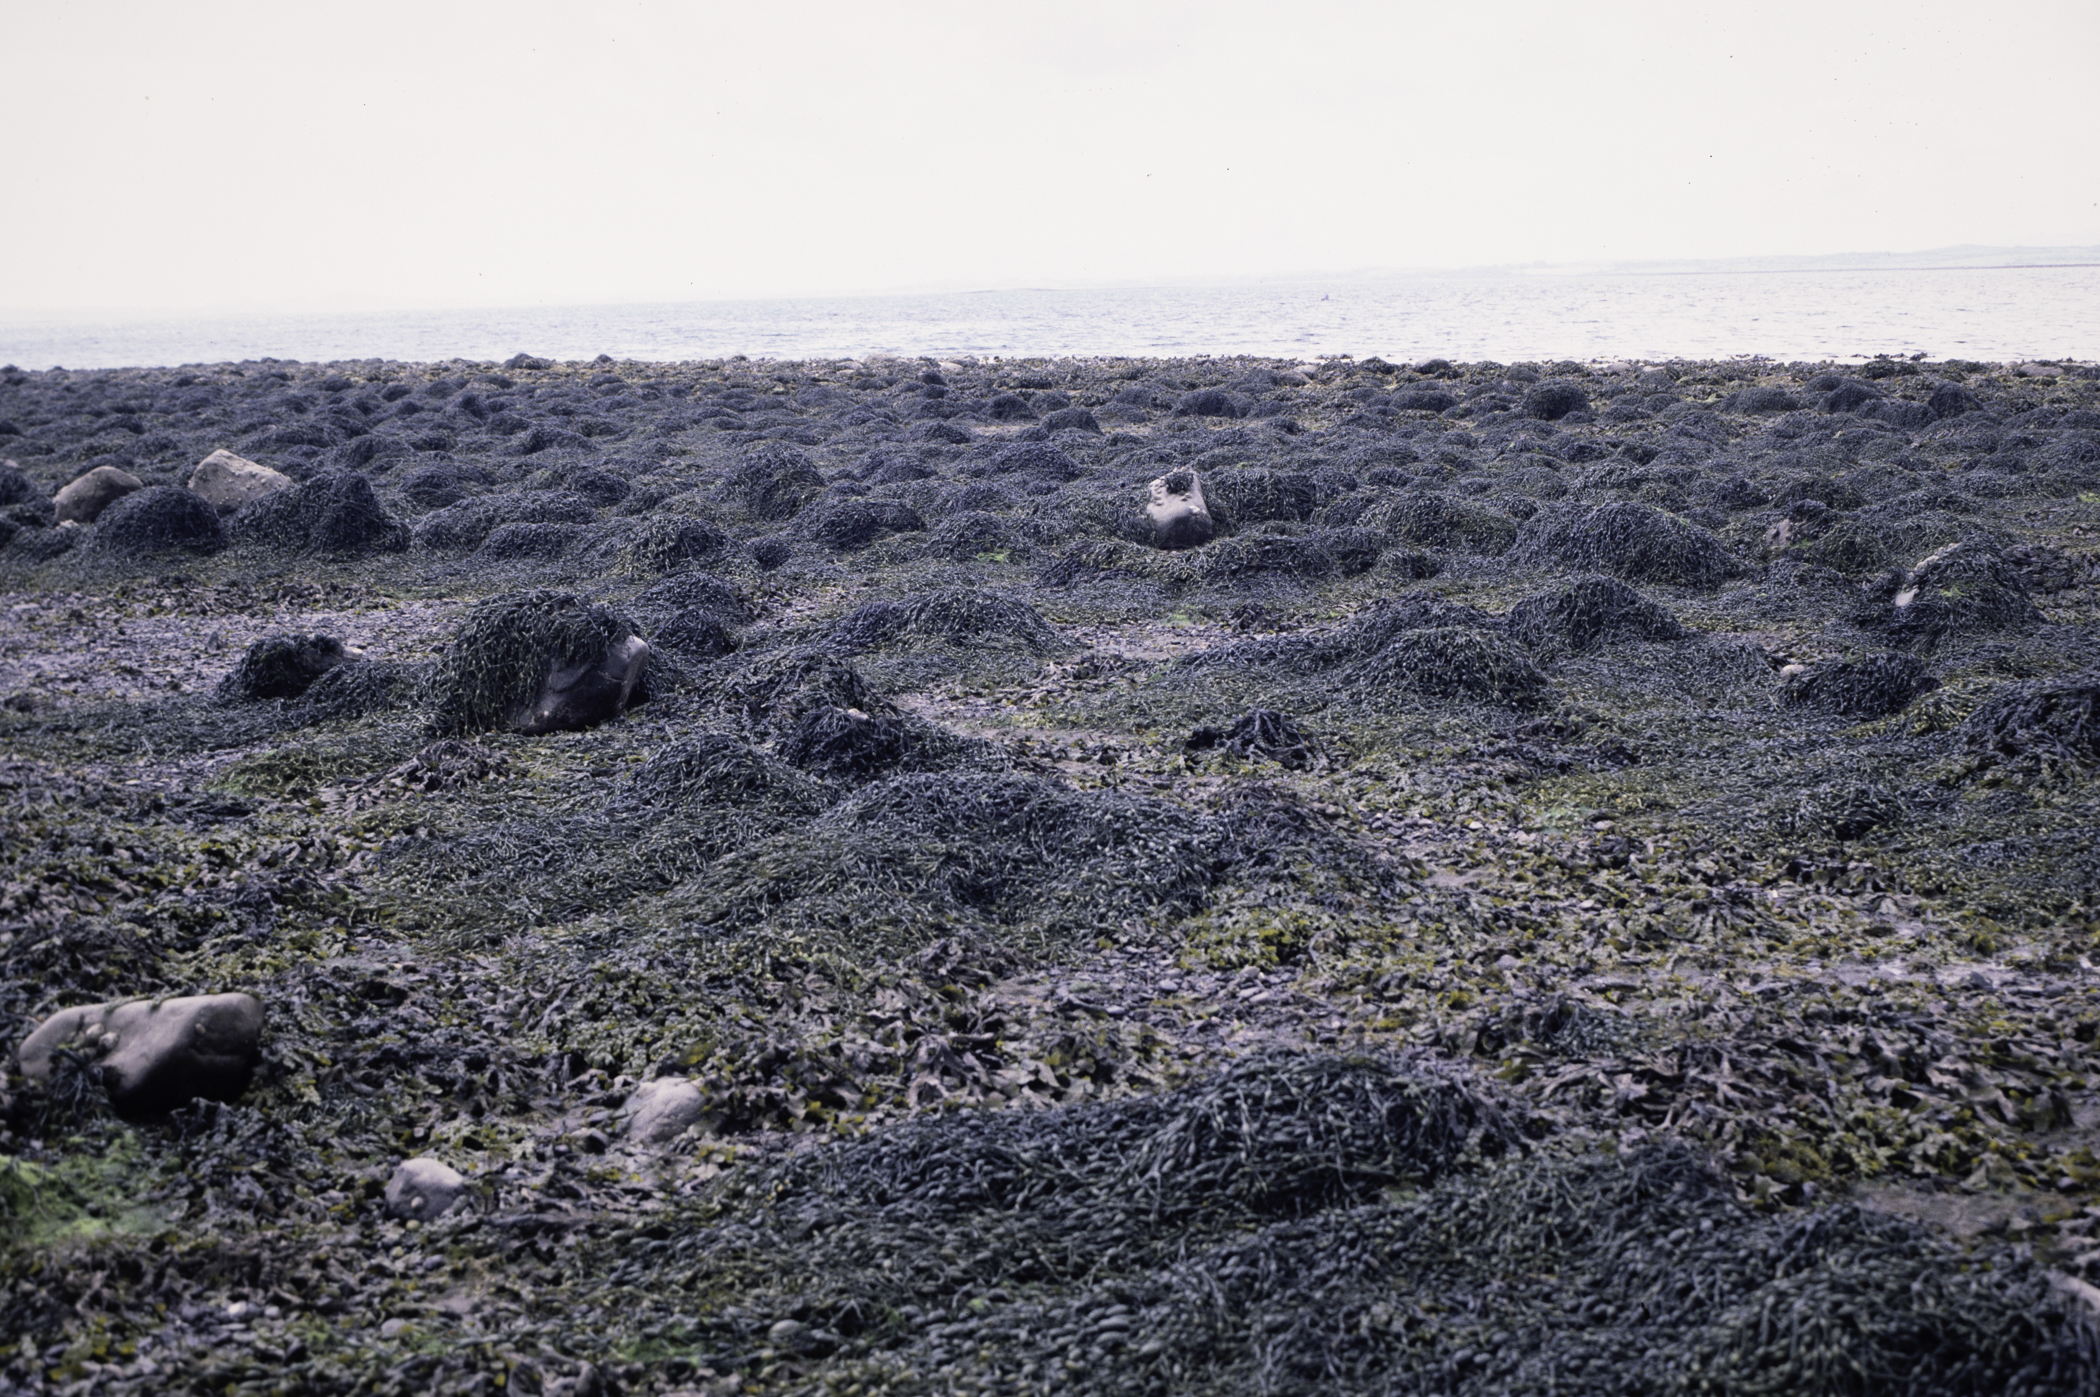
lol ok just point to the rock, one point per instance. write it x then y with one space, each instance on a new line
1179 517
335 513
1206 402
579 695
280 667
83 499
159 518
660 1111
1072 419
156 1055
424 1189
536 661
1554 399
227 482
15 487
1952 400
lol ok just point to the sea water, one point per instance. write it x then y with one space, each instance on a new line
1988 314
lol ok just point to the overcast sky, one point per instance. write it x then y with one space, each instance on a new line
432 154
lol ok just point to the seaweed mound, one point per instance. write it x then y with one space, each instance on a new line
1587 613
160 519
2048 725
669 543
774 481
535 542
1034 460
1261 732
358 688
847 525
1305 1224
1009 848
1434 519
1966 587
507 649
280 667
1238 498
956 616
465 526
1873 687
843 743
699 632
334 513
1629 540
1451 662
1249 557
769 694
683 591
711 769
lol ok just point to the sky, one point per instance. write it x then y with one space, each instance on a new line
423 155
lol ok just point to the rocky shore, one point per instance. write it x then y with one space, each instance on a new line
1210 875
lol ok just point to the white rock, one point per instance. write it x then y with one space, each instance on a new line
228 481
423 1189
661 1110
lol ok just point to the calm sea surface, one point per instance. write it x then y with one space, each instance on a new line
1990 314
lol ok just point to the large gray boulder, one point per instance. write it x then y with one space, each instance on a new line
1178 514
155 1055
82 500
424 1189
228 482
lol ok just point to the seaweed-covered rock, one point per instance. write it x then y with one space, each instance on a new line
533 542
1872 687
424 1190
770 693
847 525
1035 460
1239 498
697 633
1587 613
465 526
1629 540
954 616
1257 557
2051 724
670 543
1438 520
717 769
684 591
1554 399
843 743
1175 509
16 488
534 662
1451 662
159 519
1260 732
1206 402
1966 587
358 688
280 667
82 499
774 481
335 513
156 1055
230 482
